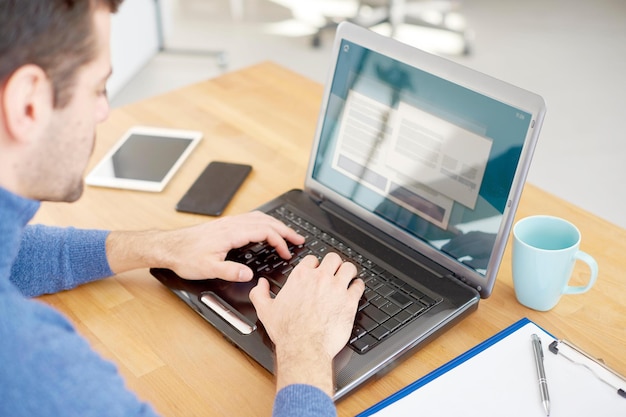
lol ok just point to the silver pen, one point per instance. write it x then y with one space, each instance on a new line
541 373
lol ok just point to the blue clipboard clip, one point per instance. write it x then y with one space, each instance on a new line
554 348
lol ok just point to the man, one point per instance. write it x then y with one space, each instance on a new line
54 63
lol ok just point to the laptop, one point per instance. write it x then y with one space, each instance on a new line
415 174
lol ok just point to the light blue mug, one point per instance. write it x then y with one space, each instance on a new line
545 249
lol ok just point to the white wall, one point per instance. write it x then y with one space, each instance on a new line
134 40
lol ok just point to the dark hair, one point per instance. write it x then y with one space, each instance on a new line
56 35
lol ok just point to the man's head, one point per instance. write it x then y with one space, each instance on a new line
54 63
56 35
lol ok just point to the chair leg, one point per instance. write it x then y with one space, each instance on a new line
221 56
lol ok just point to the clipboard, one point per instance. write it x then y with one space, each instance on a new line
498 377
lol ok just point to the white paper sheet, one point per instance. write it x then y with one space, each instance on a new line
502 381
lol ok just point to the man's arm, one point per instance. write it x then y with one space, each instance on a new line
53 259
199 252
300 400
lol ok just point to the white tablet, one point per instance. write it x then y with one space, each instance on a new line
145 158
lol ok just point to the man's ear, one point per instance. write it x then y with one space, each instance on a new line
27 102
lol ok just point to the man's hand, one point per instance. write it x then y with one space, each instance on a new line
199 252
311 319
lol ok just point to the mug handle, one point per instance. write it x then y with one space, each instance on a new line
593 266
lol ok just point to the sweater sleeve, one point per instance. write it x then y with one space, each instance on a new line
303 401
52 259
48 370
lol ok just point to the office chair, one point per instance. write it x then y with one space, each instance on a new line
395 14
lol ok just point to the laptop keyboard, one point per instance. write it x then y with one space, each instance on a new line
388 303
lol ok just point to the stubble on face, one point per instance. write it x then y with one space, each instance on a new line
61 157
59 162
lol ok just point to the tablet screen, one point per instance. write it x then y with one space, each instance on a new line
144 159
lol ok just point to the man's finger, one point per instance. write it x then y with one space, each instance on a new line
310 261
260 294
232 271
347 271
356 289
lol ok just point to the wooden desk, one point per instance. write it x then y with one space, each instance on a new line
266 115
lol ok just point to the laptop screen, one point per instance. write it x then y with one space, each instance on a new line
432 158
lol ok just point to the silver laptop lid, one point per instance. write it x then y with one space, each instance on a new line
427 150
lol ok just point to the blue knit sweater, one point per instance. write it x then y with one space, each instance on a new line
47 368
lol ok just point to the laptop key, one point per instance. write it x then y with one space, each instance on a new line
365 322
287 269
376 314
415 309
403 316
400 299
392 324
364 343
370 294
385 290
390 308
379 332
257 248
373 283
379 301
429 301
357 332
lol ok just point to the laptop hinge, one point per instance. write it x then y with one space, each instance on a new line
317 197
462 280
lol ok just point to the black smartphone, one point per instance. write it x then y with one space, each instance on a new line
214 188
